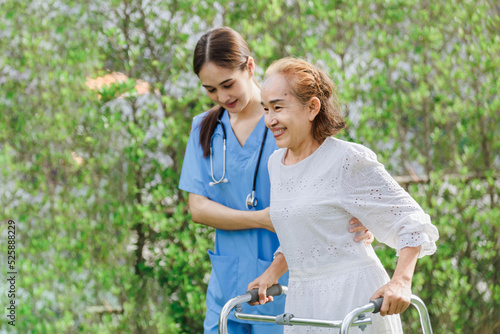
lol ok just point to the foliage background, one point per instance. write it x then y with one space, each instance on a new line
105 243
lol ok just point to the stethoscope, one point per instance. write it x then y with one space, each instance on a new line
251 200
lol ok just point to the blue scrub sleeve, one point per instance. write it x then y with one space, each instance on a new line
192 169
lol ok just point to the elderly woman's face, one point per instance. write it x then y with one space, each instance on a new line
285 115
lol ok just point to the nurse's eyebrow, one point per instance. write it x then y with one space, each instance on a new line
223 82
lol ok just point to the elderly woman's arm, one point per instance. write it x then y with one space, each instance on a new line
397 293
269 277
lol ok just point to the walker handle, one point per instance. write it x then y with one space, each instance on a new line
275 290
377 303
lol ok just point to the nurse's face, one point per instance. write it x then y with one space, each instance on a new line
288 119
232 89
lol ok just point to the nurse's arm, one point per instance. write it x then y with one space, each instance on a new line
367 236
207 212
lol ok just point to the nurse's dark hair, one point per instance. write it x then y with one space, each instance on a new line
307 81
225 48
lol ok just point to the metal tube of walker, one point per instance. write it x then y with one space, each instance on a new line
415 301
300 321
224 313
425 321
251 296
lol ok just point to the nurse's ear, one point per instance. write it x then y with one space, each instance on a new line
314 107
250 66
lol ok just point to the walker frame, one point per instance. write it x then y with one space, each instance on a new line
356 318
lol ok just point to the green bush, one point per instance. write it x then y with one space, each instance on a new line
105 243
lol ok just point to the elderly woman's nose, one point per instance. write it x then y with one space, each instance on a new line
269 119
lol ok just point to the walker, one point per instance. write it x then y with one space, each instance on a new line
355 318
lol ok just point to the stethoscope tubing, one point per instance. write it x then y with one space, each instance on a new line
224 137
222 179
258 160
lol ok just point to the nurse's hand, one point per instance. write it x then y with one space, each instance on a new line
265 219
357 226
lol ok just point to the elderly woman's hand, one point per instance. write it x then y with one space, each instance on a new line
397 296
263 282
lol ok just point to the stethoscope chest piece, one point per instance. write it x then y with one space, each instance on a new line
251 200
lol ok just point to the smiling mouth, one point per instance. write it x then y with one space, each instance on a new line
277 132
232 104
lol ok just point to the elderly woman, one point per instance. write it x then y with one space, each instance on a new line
317 183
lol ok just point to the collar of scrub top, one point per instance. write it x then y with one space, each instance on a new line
251 201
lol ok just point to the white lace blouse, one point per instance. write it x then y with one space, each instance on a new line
312 202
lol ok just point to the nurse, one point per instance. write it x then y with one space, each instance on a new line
225 173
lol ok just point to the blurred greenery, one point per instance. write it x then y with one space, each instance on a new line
90 158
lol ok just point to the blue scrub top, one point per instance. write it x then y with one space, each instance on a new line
239 256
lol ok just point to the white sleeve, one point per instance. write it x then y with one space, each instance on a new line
279 250
370 194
